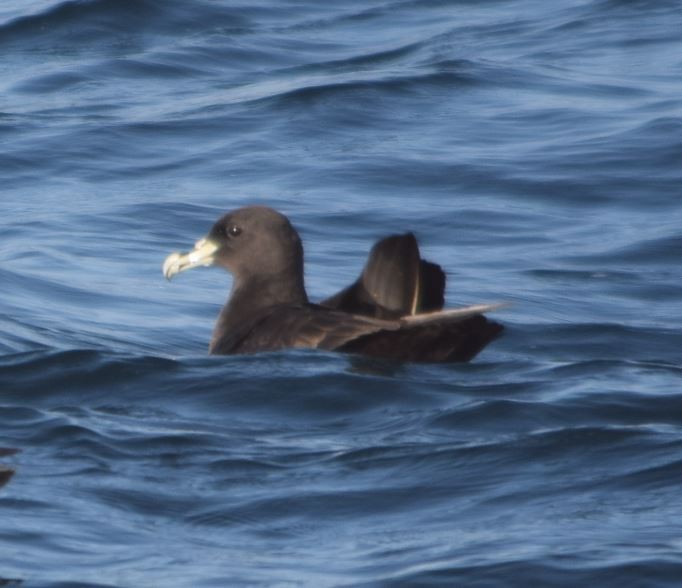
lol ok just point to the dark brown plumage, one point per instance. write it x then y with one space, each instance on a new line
395 282
392 311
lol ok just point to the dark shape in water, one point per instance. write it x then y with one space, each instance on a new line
5 475
5 472
392 311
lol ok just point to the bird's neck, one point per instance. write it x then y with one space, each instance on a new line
257 292
250 299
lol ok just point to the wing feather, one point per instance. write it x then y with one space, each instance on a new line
308 326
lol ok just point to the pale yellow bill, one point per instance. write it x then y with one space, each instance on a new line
202 254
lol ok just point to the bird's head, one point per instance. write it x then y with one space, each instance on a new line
251 242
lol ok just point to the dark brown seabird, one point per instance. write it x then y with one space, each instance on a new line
393 311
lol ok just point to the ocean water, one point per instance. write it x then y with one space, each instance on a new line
534 148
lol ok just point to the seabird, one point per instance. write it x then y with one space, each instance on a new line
393 310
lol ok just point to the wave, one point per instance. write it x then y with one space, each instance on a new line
61 17
552 570
77 22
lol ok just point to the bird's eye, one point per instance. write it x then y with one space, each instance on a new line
234 231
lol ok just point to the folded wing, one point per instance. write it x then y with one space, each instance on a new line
395 282
439 336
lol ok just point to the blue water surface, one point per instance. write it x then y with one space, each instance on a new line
534 148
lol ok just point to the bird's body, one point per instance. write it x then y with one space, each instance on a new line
392 311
